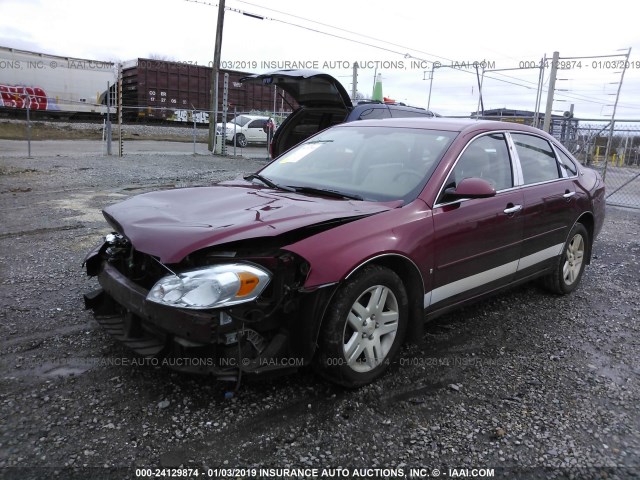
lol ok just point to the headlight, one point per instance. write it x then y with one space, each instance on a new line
211 287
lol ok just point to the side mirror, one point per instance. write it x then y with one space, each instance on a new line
471 188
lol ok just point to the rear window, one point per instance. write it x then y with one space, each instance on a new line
400 113
371 113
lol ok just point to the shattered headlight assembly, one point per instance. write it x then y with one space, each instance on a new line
211 287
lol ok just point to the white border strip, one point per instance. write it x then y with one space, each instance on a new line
482 278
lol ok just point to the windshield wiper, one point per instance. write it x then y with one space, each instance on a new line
326 192
267 182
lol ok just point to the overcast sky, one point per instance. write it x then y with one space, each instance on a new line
402 37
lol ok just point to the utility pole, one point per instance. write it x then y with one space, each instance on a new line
433 66
354 82
214 77
551 91
613 115
536 115
480 101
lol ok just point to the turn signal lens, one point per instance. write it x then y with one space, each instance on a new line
248 283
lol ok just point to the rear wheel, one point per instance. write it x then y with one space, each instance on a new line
240 140
363 328
569 267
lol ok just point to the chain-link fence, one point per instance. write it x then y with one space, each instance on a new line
619 164
587 140
236 132
248 134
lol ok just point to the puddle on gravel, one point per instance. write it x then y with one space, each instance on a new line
31 369
81 205
65 371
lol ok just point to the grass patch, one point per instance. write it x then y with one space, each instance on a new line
43 131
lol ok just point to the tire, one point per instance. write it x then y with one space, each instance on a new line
355 346
240 140
568 270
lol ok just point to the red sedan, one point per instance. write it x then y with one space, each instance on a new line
336 252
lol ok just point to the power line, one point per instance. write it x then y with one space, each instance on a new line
396 52
518 81
345 30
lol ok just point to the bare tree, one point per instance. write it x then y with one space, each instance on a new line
160 56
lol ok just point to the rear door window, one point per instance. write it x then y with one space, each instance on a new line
258 124
537 159
567 165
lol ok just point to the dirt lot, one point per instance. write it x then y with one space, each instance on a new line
525 385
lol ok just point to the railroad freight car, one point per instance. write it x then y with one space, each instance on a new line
53 85
174 91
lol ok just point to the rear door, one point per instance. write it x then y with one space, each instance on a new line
255 130
477 241
549 202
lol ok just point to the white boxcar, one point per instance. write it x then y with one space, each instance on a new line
53 83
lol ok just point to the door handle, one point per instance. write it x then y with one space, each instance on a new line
567 195
513 209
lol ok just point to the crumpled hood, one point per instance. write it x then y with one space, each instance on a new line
171 224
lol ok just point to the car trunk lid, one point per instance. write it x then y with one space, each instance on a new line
307 87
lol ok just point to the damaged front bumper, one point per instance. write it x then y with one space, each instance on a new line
219 342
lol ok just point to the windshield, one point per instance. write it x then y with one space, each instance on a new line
372 163
240 120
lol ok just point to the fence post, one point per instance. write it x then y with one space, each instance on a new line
28 126
120 139
608 150
235 115
193 116
108 122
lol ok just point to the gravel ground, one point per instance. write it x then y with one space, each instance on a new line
526 384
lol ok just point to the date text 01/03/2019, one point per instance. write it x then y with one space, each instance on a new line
579 64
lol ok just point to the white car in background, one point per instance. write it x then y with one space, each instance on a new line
245 129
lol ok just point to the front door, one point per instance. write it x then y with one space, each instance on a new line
477 241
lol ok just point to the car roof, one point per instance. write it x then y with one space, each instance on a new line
446 124
252 117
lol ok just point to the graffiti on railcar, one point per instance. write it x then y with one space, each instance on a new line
15 96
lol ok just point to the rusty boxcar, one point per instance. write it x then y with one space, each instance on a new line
170 90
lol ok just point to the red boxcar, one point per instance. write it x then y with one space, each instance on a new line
168 90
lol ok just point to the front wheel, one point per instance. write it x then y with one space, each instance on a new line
569 268
363 327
